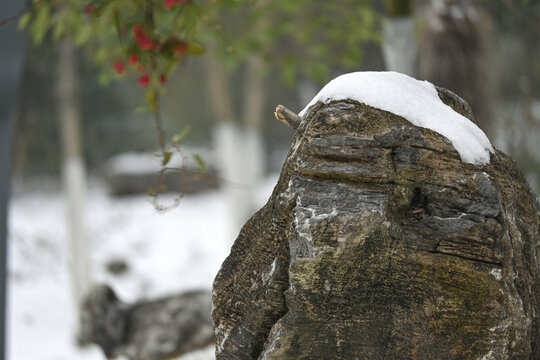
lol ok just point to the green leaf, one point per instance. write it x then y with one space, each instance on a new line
166 158
181 135
40 24
151 191
200 162
118 22
195 48
59 29
190 17
83 36
24 21
151 99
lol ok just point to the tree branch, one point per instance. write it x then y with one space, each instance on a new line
288 117
20 13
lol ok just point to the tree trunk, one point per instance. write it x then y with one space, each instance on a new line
228 144
399 45
11 49
73 173
254 96
453 55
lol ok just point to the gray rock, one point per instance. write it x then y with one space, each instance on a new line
147 330
378 242
136 173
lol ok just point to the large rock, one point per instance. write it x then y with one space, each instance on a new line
135 173
378 242
146 330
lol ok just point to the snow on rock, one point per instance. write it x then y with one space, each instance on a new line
416 101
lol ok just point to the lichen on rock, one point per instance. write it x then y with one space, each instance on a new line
378 242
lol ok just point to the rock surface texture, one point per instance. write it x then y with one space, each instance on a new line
378 242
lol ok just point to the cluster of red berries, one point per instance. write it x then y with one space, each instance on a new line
145 43
143 40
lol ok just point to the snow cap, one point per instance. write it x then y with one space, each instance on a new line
416 101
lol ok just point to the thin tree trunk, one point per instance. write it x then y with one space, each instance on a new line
228 145
253 114
400 49
218 88
453 55
254 96
11 49
73 173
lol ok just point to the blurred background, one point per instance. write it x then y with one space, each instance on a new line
80 211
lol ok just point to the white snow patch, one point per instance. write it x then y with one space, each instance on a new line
207 353
415 100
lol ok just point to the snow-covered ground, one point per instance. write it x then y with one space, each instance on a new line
166 253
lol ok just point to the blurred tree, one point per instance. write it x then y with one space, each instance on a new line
73 171
12 50
513 56
453 54
399 44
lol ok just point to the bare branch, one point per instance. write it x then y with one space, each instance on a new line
20 13
288 117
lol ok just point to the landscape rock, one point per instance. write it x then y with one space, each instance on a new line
147 330
135 173
379 242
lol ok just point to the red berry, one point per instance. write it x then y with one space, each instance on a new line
88 9
137 30
133 59
167 4
144 80
171 3
119 67
180 49
162 79
144 42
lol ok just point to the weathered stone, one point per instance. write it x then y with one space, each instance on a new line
147 330
135 173
378 242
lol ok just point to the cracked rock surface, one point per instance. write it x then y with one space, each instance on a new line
378 242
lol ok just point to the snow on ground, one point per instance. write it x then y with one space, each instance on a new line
166 253
417 101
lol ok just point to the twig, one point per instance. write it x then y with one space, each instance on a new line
20 13
288 117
